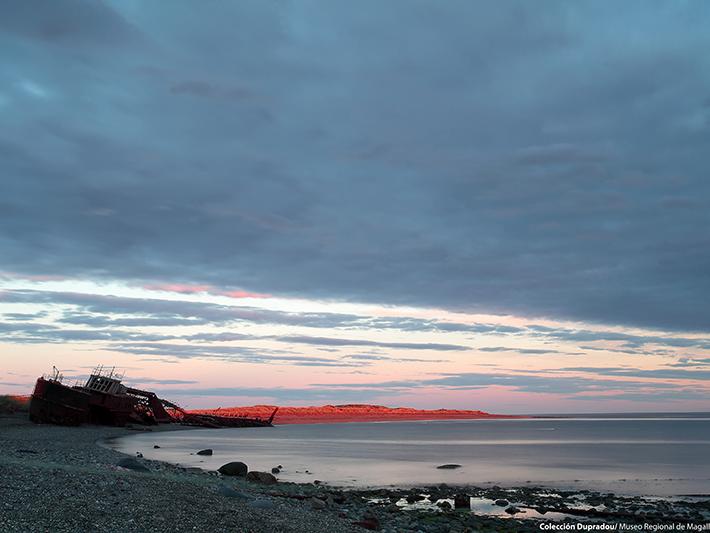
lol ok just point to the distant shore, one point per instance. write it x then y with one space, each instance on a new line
59 479
333 414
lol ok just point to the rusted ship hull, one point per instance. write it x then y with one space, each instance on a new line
54 403
104 400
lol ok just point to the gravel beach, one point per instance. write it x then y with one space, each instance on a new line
58 479
61 479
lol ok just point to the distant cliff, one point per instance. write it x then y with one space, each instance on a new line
348 413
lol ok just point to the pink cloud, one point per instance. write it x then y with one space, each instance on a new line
184 288
179 287
244 294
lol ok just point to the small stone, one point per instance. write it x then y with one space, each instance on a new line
276 470
155 446
501 503
512 510
317 504
207 451
450 466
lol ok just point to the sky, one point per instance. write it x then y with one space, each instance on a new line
462 204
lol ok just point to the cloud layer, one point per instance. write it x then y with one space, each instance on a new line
477 156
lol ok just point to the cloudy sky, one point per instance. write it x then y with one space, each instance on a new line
439 204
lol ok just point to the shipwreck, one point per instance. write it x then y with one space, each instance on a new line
103 399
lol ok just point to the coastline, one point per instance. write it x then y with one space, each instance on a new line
62 479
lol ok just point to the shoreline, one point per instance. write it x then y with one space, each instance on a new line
67 479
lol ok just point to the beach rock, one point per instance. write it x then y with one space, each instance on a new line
462 501
229 492
207 451
261 477
262 504
276 470
132 464
317 504
512 510
235 468
139 455
445 505
369 521
448 466
317 482
155 446
501 502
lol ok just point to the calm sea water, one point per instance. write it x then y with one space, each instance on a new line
649 455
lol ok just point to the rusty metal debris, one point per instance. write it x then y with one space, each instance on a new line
104 400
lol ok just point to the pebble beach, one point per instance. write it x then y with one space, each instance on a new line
68 479
58 479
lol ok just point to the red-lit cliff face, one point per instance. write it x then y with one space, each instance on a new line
347 413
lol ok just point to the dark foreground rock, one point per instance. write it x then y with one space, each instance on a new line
133 464
262 477
235 468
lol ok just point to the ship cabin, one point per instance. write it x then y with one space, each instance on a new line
105 384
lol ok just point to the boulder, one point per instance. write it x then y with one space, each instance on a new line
235 468
207 451
448 467
261 477
501 503
132 464
445 505
512 510
276 470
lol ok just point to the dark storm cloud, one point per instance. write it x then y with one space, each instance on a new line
243 354
543 382
660 373
159 312
523 351
319 396
42 333
544 160
330 341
